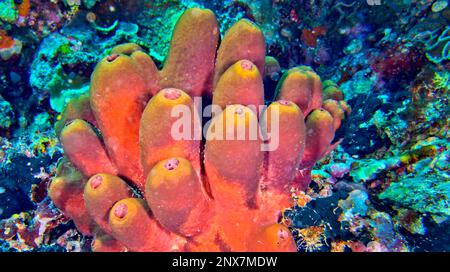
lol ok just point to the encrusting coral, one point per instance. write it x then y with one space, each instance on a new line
127 181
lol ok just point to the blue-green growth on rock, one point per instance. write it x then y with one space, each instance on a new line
8 11
355 204
427 188
441 80
6 114
437 44
64 61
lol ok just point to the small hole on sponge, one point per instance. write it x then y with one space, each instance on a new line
284 102
246 65
239 111
69 122
121 210
112 57
171 164
282 234
172 93
96 182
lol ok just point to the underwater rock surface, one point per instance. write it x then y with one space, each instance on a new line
385 187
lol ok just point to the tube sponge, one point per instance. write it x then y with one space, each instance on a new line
67 194
240 84
174 194
301 86
234 166
244 40
333 92
138 175
194 43
83 147
77 108
319 134
334 108
273 238
295 86
101 192
290 141
157 140
120 87
106 243
131 224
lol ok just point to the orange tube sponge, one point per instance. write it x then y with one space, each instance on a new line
290 142
67 194
317 91
334 108
190 63
106 243
84 149
272 238
301 86
125 48
225 193
67 169
345 107
332 92
233 158
149 71
233 163
157 135
59 192
133 226
120 87
319 134
272 68
285 122
175 196
101 192
244 40
240 84
295 86
77 108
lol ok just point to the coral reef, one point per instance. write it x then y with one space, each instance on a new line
227 197
383 188
65 61
6 114
32 156
8 12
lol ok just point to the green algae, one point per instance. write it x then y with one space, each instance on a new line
8 11
424 193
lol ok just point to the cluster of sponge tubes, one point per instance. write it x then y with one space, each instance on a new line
129 183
